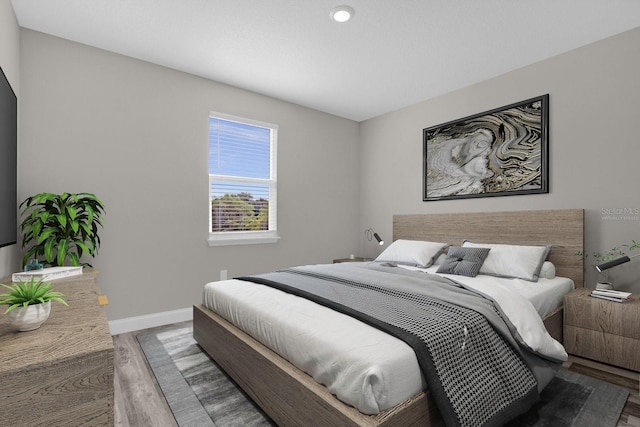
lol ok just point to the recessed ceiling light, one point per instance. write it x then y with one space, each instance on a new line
342 13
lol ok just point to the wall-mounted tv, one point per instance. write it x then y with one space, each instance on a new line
8 163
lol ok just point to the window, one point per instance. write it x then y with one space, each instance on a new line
242 181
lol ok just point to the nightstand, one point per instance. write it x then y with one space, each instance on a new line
601 330
355 259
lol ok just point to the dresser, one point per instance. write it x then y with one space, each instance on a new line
602 330
62 373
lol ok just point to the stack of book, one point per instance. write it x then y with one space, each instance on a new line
50 273
611 295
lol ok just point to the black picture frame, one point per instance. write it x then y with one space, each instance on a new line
501 152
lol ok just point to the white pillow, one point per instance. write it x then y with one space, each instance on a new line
514 261
548 270
416 253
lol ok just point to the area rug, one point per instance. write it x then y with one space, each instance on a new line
200 394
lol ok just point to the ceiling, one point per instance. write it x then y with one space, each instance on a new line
390 55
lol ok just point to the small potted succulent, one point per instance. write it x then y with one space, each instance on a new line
29 303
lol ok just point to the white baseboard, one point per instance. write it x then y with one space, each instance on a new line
137 323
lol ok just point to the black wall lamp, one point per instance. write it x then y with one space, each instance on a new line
614 263
370 234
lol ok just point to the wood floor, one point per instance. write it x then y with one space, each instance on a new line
139 401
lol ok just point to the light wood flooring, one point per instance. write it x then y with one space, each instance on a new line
139 401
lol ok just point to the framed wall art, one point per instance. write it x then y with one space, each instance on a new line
501 152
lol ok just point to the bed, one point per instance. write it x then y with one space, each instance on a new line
291 397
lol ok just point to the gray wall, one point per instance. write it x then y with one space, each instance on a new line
136 135
10 63
594 146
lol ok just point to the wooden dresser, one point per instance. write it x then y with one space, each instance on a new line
602 330
62 373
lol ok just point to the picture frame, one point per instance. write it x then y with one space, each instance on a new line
500 152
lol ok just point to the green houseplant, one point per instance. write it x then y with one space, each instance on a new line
61 227
29 303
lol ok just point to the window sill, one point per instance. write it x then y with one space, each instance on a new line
227 239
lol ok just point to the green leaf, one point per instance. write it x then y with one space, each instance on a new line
44 217
90 215
48 250
37 227
63 247
62 220
72 212
12 307
83 248
75 259
46 234
60 300
85 227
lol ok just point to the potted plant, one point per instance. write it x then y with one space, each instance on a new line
61 227
29 303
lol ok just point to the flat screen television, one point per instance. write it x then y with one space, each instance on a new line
8 163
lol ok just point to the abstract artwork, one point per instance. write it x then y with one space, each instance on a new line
496 153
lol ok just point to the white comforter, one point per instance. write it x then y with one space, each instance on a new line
361 365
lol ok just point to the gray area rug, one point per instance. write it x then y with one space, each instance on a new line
200 394
575 400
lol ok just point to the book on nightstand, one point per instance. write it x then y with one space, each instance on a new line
611 295
49 273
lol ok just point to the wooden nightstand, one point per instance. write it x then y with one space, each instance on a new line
356 259
602 330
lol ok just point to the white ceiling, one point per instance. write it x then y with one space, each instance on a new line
390 55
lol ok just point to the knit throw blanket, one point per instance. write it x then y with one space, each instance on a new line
476 375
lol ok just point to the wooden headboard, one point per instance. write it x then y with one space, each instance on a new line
563 229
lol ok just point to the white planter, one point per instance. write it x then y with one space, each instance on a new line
30 317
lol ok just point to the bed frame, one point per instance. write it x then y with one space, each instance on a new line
292 398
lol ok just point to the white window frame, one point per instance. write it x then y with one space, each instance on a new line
249 237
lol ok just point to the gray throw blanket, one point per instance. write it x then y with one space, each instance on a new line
474 369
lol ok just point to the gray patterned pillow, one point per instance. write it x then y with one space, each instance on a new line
463 261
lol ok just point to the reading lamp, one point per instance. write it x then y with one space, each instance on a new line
614 263
369 234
